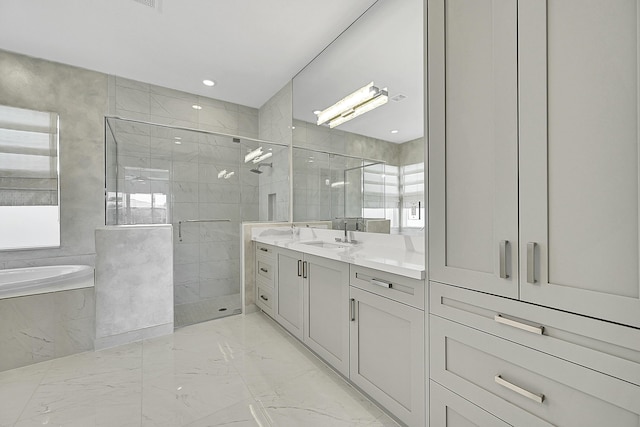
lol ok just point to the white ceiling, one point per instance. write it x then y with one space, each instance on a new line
250 48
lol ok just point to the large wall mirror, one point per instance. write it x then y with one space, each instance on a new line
370 165
29 189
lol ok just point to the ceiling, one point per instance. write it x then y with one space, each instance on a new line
250 48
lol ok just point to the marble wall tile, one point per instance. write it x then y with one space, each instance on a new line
214 251
215 288
184 171
185 253
133 100
186 273
174 108
224 192
134 279
41 327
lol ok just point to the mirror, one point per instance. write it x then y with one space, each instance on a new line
29 185
384 46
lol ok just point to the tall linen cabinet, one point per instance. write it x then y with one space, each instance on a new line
533 194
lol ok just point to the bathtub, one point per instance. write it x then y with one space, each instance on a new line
18 282
45 313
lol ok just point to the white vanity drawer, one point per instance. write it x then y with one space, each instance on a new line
264 298
525 387
447 409
264 269
398 288
265 250
606 347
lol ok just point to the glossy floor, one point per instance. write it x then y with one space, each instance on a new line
240 371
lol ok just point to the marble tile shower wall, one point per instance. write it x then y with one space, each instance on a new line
206 262
275 125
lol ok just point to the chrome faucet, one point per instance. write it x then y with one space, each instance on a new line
346 236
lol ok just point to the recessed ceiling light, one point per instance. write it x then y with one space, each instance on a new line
177 137
196 107
316 112
208 82
394 131
178 142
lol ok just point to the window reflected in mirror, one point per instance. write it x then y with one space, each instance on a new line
29 196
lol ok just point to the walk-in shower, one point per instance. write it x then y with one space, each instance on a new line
201 183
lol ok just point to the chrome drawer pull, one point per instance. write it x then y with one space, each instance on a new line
380 283
533 329
264 249
531 262
264 270
264 298
538 398
504 244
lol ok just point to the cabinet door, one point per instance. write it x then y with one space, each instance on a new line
579 156
447 409
473 144
387 354
326 310
289 293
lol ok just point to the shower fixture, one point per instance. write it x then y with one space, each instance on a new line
257 169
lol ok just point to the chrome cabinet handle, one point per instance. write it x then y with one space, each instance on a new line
538 398
264 298
380 283
264 249
352 309
299 268
304 269
504 244
264 270
531 262
533 329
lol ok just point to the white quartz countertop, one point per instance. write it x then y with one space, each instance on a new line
403 255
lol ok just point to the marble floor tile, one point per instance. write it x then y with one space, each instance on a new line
235 371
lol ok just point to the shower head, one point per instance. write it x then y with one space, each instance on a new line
257 169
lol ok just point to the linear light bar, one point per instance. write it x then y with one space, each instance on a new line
252 155
379 100
352 103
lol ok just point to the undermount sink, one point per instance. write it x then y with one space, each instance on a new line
326 245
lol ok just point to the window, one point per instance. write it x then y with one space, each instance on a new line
29 214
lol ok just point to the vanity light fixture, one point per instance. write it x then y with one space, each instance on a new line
196 107
253 154
394 131
208 82
262 157
222 173
359 102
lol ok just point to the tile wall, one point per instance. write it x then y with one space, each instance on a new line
36 328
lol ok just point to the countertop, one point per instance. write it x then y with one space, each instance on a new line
398 254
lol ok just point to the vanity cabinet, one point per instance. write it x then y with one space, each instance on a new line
387 341
313 304
533 123
447 409
265 273
524 386
289 292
